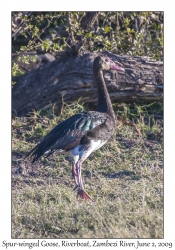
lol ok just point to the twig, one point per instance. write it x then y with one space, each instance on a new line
70 27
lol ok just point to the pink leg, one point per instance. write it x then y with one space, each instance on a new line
74 174
78 180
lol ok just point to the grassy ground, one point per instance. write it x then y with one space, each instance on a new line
124 177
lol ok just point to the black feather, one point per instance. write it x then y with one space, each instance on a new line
68 134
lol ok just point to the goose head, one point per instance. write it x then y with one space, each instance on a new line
105 63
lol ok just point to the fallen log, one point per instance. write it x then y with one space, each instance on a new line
70 78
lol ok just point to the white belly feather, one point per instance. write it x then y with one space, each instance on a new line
84 152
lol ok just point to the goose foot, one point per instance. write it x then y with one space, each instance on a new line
84 195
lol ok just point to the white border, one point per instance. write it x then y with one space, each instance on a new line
5 98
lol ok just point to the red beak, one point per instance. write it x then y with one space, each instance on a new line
113 65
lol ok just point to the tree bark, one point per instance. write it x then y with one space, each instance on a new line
70 78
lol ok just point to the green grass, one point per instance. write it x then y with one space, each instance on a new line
124 177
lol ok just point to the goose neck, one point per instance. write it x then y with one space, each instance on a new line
104 103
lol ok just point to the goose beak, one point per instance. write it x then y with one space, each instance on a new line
113 65
116 67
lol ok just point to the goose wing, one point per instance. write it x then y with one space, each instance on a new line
68 134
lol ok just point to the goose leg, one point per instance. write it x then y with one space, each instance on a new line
74 174
79 183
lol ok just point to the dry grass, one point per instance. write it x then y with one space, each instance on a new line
124 177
